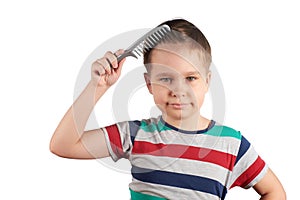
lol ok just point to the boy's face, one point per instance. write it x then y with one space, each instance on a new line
177 83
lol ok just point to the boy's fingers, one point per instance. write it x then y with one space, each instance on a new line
105 64
111 59
97 72
119 52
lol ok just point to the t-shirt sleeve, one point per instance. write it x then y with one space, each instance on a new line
119 139
249 167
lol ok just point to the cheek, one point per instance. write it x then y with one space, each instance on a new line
159 93
199 94
159 88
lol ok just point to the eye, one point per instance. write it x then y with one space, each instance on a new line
166 80
191 78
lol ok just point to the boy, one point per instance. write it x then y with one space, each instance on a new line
180 154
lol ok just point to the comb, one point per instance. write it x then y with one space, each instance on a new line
146 42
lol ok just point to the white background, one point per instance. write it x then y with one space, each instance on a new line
43 45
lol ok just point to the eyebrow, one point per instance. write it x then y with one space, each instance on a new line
172 73
192 73
164 74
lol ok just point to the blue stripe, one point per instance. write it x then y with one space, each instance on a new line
244 146
191 182
134 126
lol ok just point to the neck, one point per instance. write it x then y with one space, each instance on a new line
191 123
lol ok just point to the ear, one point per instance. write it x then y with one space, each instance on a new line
207 80
148 82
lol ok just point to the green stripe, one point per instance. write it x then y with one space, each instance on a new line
140 196
219 131
224 131
152 127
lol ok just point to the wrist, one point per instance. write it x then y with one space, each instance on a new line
96 91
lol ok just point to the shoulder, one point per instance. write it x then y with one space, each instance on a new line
224 131
147 125
137 123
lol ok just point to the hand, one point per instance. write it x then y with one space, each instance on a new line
106 70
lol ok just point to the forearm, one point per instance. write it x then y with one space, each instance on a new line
71 127
84 105
68 136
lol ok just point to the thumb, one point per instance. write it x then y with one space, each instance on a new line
120 66
118 53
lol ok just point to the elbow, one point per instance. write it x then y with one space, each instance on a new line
57 149
54 149
61 147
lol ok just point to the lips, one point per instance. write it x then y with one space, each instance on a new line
178 105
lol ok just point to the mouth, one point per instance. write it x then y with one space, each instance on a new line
178 106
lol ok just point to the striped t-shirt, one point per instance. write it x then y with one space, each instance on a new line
169 163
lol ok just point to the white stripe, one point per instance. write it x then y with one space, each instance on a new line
243 164
182 166
224 144
124 132
169 192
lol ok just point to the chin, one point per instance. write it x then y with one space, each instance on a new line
180 116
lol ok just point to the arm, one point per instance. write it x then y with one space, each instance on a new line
69 139
270 187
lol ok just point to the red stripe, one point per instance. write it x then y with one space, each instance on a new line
115 140
187 152
249 175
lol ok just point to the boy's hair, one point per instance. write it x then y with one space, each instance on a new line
187 34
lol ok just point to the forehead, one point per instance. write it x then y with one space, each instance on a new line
174 58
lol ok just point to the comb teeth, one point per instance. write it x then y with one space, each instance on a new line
151 39
146 42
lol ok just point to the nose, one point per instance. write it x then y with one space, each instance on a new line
178 89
